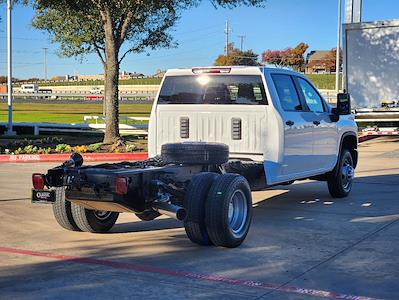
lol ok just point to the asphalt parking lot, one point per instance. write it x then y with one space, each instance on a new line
303 244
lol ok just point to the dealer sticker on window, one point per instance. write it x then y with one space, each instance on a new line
43 196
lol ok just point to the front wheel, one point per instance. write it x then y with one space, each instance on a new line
96 221
228 211
341 181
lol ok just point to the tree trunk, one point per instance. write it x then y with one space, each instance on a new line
111 88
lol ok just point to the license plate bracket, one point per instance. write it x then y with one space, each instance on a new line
43 196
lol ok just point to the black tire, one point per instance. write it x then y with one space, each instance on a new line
228 211
91 221
62 211
197 153
148 215
341 180
194 203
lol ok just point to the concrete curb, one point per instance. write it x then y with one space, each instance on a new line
26 158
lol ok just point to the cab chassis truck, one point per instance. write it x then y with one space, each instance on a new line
216 134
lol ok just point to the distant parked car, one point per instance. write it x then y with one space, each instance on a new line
29 88
49 92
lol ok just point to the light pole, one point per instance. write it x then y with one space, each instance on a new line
9 69
337 63
45 63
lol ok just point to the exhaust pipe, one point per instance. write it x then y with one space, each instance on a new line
171 210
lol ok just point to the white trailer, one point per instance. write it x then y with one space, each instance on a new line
371 72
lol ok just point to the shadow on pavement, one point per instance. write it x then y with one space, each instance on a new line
140 226
292 233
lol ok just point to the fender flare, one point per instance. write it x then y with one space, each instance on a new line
343 136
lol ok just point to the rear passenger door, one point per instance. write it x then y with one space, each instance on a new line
325 133
298 140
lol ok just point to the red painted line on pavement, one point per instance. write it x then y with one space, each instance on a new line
4 158
190 275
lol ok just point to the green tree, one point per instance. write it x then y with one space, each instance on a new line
236 57
113 29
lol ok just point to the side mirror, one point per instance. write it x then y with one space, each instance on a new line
343 104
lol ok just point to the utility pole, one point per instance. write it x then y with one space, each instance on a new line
242 37
45 63
9 69
227 31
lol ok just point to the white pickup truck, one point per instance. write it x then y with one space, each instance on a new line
273 116
215 134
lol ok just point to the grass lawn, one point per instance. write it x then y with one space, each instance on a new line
323 81
66 113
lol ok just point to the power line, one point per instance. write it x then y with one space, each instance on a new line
203 29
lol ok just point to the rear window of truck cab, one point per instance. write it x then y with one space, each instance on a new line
213 89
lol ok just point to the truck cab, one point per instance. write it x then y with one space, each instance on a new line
273 116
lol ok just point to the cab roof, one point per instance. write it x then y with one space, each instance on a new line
234 70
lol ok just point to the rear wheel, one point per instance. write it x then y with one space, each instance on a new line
228 210
340 182
62 211
93 220
194 203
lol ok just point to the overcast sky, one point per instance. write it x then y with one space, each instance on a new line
200 34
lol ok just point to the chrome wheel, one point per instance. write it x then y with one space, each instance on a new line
347 173
238 213
102 214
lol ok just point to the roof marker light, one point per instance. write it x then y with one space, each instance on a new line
211 70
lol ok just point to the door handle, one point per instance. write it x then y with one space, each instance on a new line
289 123
317 123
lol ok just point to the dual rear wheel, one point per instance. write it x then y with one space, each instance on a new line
219 209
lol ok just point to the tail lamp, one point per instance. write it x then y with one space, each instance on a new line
38 181
121 185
